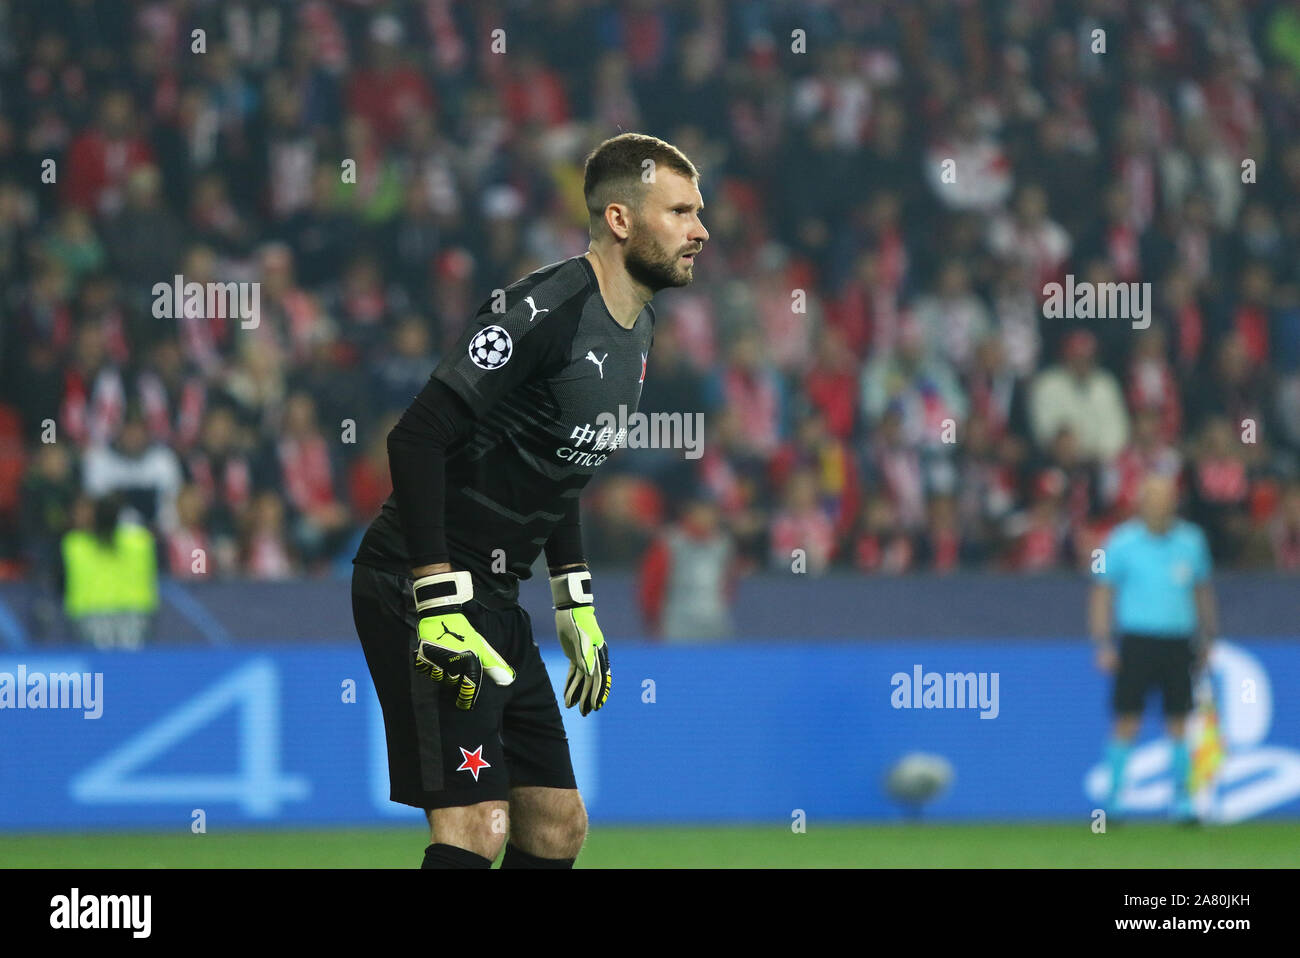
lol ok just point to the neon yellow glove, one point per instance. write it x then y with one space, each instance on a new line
449 649
589 679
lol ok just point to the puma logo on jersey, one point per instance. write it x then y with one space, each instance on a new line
600 363
533 306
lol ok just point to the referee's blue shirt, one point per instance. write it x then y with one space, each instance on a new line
1154 577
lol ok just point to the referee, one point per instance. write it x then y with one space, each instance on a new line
487 465
1156 582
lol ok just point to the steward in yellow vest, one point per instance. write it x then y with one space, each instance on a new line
110 580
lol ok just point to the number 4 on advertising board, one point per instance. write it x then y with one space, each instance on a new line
256 786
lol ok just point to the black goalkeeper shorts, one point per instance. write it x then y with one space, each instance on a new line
438 755
1151 662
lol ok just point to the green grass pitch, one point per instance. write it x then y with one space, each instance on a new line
1131 845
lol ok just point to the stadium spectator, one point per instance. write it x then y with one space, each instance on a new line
72 243
986 177
803 535
918 384
828 458
306 470
1032 237
387 92
688 577
92 401
831 384
954 320
877 543
207 340
1149 452
320 234
896 468
48 493
102 158
368 479
364 307
940 548
1080 395
1219 484
187 547
145 238
627 512
736 479
1040 534
215 221
1073 481
852 312
751 386
374 195
289 314
994 391
1018 315
1201 166
988 485
1234 389
266 554
402 369
1188 329
173 398
222 472
1152 383
145 474
255 383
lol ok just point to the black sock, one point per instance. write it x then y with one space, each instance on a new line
449 856
516 857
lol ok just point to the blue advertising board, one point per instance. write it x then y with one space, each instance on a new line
281 735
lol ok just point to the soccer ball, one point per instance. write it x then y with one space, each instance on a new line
918 777
491 348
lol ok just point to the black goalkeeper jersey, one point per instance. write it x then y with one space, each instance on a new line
545 380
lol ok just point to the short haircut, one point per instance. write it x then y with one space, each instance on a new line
613 171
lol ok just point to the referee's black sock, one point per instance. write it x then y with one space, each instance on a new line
516 857
449 856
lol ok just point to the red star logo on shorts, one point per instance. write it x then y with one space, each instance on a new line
473 761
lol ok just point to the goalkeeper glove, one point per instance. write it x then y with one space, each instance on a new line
589 678
448 649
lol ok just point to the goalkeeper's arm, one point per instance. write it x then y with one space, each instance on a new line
589 679
449 649
417 459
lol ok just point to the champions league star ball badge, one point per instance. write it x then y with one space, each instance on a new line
491 348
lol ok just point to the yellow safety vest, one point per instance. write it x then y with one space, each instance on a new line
120 577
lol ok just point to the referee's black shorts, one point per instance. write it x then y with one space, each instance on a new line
1147 662
436 752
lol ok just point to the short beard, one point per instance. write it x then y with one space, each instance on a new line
651 266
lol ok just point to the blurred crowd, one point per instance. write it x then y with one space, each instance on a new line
865 336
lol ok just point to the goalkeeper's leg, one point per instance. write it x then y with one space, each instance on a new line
466 836
547 827
448 761
548 821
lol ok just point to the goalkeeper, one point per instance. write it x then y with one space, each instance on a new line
487 465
